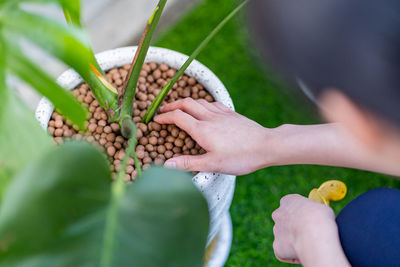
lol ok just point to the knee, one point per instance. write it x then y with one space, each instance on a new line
369 228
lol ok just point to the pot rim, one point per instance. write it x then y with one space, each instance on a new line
69 79
207 182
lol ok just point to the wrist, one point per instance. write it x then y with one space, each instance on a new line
276 150
318 243
267 148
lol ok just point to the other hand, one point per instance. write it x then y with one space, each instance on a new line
234 144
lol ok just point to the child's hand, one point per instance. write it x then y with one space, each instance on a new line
234 144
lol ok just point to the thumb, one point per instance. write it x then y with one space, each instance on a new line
188 163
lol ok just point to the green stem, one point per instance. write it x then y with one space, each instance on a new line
126 100
163 93
117 192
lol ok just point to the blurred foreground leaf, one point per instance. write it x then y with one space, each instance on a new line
44 84
68 43
21 137
54 214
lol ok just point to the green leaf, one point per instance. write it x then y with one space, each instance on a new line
55 214
44 84
68 43
52 212
72 11
3 88
71 8
166 204
21 137
164 92
137 64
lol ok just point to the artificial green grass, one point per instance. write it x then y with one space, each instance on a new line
257 95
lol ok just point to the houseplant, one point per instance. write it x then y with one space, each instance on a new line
10 241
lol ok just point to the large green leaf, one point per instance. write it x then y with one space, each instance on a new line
51 213
66 42
55 214
21 137
170 222
44 84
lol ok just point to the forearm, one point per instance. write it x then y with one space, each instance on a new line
323 144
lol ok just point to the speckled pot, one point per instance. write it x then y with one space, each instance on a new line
217 188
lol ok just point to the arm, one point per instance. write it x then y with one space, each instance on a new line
237 145
325 144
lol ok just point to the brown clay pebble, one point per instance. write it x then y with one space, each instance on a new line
191 81
58 132
102 123
92 127
169 146
67 133
111 151
107 129
161 149
147 160
129 169
58 123
178 142
115 127
119 139
110 137
168 154
175 132
143 141
140 154
177 150
117 145
149 147
153 140
163 133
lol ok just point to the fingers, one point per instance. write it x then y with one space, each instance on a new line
189 106
221 107
181 119
189 163
207 105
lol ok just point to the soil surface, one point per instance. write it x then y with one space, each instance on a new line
156 143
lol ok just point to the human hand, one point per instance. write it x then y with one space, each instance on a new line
234 144
302 228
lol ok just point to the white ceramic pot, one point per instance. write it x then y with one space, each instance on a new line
217 188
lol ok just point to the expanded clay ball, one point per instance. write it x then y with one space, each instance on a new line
156 142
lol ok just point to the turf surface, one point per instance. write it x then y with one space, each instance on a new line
257 95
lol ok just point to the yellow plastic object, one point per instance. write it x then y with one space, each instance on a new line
332 190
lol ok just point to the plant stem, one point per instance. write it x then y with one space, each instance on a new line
117 192
163 93
128 94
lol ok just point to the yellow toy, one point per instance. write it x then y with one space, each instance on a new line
330 190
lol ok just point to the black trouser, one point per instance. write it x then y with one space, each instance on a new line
369 228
